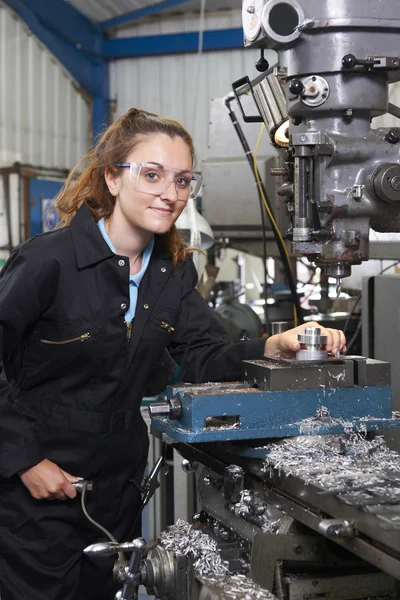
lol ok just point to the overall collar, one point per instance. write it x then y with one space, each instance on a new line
90 246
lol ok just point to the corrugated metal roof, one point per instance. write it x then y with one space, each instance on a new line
44 120
102 10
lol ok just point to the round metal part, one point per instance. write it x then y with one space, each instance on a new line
281 20
312 335
251 18
312 355
158 573
279 327
337 270
281 137
316 91
313 345
188 466
386 181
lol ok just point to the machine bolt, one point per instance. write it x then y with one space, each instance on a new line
298 549
303 138
393 135
357 191
296 87
251 9
277 171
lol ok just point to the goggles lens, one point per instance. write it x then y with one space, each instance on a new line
156 179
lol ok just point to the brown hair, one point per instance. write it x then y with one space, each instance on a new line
113 147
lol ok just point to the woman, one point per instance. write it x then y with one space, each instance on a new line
86 312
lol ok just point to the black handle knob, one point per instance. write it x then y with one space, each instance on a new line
296 87
262 64
349 61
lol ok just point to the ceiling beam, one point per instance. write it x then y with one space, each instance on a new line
140 13
219 39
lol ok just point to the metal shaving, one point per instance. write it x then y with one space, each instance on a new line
361 472
252 509
182 539
238 587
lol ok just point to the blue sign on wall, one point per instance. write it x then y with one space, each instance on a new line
42 216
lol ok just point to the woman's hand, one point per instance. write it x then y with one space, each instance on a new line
287 343
46 481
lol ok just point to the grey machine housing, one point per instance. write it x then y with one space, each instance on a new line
336 59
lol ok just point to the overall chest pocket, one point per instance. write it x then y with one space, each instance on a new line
83 337
61 346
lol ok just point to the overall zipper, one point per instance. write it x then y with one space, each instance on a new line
167 326
79 338
128 330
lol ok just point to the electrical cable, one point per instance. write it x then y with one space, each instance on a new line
353 310
389 267
281 246
296 304
356 334
246 149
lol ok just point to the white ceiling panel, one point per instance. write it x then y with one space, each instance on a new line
103 10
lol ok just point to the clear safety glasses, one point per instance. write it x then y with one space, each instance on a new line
152 178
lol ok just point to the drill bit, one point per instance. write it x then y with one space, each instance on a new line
338 287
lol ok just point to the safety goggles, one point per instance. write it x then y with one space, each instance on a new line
152 178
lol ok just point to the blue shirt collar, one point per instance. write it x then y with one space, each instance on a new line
137 278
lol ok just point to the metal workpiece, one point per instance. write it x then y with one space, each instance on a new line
313 345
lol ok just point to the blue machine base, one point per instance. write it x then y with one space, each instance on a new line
247 414
223 435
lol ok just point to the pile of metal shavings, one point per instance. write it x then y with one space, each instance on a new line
182 539
251 508
238 587
361 472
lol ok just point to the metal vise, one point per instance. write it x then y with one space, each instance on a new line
282 398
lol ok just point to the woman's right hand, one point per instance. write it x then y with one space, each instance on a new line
46 481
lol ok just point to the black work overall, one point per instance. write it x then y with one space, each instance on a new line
73 392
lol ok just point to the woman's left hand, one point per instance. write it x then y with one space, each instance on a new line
287 343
